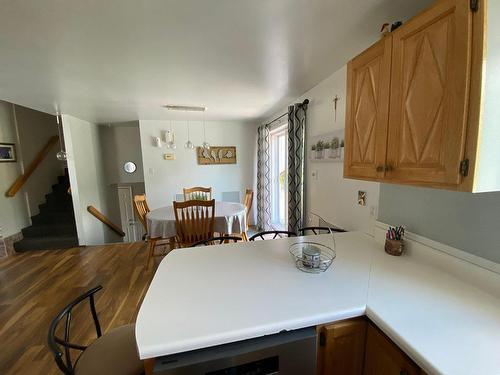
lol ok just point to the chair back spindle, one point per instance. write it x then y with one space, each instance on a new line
197 193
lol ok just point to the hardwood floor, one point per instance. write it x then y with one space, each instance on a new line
34 286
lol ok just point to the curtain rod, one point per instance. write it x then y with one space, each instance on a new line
304 103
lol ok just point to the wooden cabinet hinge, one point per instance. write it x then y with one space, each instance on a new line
322 339
474 5
464 167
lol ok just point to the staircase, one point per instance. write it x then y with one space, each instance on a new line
54 227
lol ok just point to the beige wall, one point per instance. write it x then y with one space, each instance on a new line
35 129
13 211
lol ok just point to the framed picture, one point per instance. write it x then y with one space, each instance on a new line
327 147
216 155
7 152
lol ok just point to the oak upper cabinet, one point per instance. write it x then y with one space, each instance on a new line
341 347
439 125
382 357
368 81
429 95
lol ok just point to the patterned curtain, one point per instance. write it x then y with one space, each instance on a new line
296 154
263 179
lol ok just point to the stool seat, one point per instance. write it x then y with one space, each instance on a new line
114 353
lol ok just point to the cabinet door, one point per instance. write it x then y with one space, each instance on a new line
342 348
429 95
368 84
382 357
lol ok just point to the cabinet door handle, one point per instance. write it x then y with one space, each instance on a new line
388 168
380 168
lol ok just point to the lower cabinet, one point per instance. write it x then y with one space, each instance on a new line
383 357
356 347
342 347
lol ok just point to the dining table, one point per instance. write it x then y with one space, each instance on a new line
229 218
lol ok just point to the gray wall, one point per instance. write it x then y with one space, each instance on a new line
466 221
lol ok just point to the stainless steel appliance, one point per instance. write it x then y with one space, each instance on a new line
285 353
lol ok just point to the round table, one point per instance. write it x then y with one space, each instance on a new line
229 218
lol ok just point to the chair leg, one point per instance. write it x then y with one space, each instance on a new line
152 244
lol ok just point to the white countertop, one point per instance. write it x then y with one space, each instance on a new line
208 296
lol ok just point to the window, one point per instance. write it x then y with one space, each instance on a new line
279 177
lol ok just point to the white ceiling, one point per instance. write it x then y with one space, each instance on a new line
119 60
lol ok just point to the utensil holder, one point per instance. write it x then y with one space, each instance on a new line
394 247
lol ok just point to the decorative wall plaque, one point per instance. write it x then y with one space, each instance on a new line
216 155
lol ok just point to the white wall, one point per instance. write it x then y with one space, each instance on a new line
330 195
165 178
86 174
13 211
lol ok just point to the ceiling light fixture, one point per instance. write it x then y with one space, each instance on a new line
189 145
205 144
61 155
185 108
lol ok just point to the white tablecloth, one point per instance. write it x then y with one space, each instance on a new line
229 218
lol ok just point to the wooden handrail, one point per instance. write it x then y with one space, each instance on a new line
99 216
21 180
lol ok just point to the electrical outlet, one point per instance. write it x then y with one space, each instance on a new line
362 198
373 211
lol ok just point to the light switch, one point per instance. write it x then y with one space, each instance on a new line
151 171
169 156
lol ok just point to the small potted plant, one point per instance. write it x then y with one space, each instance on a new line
334 153
327 148
320 153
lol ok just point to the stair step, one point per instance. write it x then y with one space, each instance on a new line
46 243
60 188
63 180
49 230
56 207
58 198
53 218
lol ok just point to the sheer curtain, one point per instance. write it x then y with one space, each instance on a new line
263 179
296 165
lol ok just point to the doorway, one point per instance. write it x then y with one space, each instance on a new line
279 177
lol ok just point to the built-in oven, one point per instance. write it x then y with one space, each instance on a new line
285 353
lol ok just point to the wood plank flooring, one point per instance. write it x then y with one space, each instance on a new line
34 286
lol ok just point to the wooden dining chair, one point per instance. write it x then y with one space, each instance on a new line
248 204
194 221
219 240
271 235
142 209
197 193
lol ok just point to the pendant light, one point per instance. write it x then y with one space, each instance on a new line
205 144
189 145
170 141
61 155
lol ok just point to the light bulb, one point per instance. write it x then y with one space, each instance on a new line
189 145
206 145
62 156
